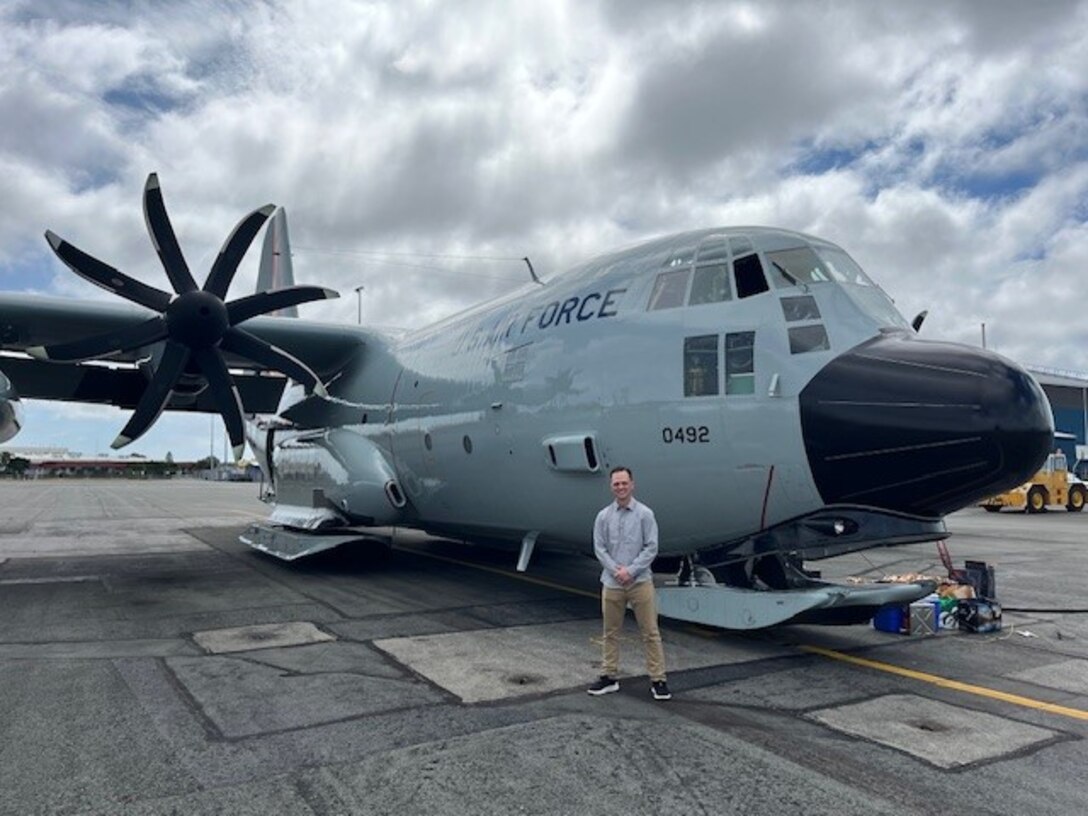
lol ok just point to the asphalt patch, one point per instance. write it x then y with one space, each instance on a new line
942 735
260 636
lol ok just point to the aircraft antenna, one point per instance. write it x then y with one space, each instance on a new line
532 272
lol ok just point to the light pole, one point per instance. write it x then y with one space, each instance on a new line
359 294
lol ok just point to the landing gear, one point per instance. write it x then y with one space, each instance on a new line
692 574
761 581
775 589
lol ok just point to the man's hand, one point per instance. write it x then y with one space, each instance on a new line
623 576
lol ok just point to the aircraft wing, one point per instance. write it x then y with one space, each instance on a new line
27 321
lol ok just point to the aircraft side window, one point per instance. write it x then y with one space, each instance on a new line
804 339
670 289
740 375
711 284
750 278
800 308
701 365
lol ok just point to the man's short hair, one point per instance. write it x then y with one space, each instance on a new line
619 468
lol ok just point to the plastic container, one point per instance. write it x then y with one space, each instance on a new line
890 619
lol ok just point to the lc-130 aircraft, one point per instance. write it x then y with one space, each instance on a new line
773 404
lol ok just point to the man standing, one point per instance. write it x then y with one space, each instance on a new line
625 542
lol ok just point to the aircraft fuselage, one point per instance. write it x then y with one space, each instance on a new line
686 359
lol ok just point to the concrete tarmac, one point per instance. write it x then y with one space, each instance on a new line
152 664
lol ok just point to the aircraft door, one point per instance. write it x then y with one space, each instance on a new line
763 429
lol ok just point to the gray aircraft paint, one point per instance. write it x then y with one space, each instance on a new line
563 361
276 270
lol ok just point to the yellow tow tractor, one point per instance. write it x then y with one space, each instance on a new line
1052 485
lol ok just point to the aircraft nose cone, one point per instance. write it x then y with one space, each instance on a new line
922 427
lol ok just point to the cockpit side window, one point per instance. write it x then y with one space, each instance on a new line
750 277
670 289
804 339
800 308
711 284
671 286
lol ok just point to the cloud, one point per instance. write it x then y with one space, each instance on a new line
941 144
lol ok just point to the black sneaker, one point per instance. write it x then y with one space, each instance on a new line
660 690
604 685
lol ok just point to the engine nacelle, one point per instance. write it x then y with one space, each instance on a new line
11 410
341 470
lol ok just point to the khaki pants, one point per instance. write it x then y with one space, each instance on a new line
613 608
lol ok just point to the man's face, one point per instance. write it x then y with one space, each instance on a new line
622 485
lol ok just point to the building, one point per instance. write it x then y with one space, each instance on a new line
1068 395
50 462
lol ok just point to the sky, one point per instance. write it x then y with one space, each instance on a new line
943 144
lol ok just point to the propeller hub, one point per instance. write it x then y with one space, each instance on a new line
197 319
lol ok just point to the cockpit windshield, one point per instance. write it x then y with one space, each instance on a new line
802 265
842 266
793 267
822 263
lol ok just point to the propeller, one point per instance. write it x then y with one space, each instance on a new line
196 325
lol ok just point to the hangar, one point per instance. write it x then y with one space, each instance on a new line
1068 395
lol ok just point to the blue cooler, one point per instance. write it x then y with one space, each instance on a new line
891 619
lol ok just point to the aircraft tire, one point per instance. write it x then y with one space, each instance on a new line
1076 499
1036 502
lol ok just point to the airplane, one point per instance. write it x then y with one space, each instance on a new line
771 401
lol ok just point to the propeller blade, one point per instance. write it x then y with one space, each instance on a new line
226 264
253 348
264 302
157 394
162 236
225 396
112 280
103 345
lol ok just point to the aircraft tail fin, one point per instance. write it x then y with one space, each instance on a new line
276 271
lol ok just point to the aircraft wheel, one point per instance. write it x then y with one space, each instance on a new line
1076 499
1036 502
992 508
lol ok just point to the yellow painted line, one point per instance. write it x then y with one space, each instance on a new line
955 685
505 573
